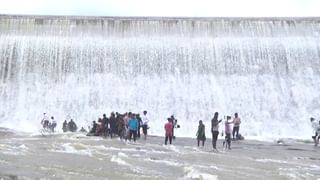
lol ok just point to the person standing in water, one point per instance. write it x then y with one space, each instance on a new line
65 126
236 126
316 127
145 121
113 122
201 133
227 130
174 122
53 124
168 131
215 130
105 125
45 121
139 124
133 127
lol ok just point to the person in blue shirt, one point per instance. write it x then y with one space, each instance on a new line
133 126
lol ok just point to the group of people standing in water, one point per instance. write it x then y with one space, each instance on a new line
127 126
69 126
51 124
47 124
201 137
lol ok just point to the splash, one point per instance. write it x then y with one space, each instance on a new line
265 69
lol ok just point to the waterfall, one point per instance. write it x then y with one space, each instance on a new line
266 69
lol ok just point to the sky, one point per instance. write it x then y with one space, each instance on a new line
184 8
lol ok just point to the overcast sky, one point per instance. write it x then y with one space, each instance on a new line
225 8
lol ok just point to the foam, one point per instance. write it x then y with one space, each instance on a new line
272 161
167 162
72 149
193 173
119 161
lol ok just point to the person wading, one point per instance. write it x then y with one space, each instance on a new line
215 130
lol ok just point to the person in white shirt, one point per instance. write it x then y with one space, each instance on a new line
45 121
145 121
236 126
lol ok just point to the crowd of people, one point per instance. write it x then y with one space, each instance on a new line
125 126
128 125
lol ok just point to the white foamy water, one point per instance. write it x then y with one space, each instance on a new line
119 161
265 69
61 156
73 149
194 174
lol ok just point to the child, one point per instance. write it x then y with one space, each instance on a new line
227 130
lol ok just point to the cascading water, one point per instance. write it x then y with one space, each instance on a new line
265 69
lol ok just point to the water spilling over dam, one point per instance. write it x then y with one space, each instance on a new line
266 69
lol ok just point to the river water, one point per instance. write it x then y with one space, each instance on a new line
77 156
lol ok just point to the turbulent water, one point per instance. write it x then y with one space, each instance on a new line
75 156
266 69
